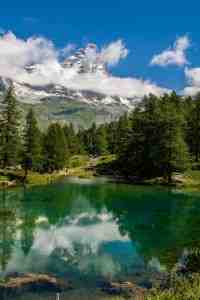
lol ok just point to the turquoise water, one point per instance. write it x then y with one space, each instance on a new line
89 230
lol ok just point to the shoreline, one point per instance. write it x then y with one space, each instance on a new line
158 284
84 167
45 179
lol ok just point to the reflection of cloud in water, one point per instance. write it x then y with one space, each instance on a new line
89 231
89 242
89 218
79 240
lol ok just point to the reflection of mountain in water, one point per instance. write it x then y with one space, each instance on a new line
84 242
95 229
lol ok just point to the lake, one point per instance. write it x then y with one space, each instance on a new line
88 231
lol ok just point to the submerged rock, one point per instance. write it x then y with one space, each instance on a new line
124 288
19 283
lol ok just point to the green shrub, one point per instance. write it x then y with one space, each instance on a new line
78 161
183 289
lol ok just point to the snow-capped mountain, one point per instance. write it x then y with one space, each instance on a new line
86 62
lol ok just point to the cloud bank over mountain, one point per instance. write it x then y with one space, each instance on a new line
16 55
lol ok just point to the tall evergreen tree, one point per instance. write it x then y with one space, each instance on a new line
112 137
193 128
71 139
81 142
156 146
122 133
171 152
90 139
56 152
132 158
101 143
32 144
10 138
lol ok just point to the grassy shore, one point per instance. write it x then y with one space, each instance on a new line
83 166
16 178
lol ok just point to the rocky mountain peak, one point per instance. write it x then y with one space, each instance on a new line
86 60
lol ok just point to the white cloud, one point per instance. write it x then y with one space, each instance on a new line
16 54
110 85
193 79
173 56
113 53
193 76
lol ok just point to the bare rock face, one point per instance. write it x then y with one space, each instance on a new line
16 284
124 288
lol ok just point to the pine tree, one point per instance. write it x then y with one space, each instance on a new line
193 128
112 135
171 153
156 146
122 133
101 144
90 140
132 159
81 142
10 138
56 152
32 144
71 139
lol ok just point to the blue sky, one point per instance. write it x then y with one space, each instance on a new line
146 27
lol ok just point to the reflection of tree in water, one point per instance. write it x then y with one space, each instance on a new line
17 224
8 220
163 226
27 226
19 212
27 233
162 222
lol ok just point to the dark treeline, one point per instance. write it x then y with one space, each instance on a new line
159 137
